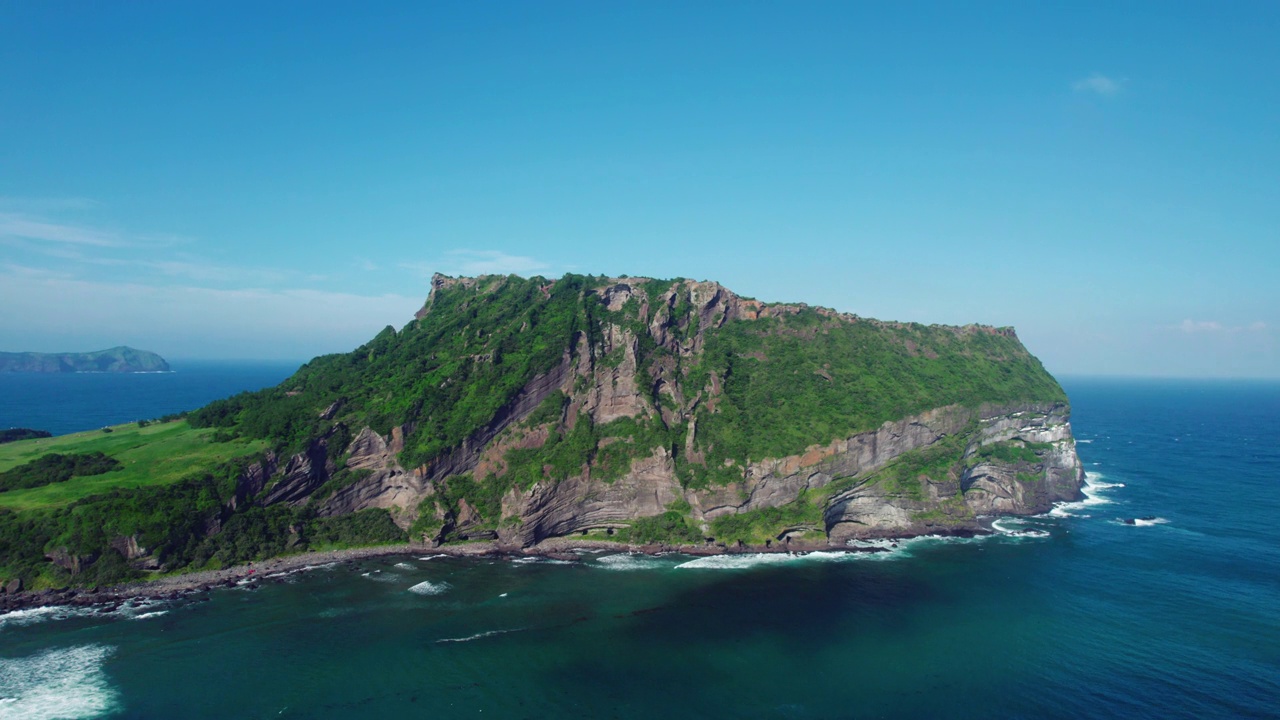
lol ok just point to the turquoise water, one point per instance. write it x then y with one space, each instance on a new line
1068 616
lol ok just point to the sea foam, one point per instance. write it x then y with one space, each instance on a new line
427 587
1094 485
1010 527
631 561
61 683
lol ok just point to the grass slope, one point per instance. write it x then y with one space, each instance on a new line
158 454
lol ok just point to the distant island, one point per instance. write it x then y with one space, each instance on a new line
115 360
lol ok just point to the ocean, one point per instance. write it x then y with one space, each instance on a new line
1071 615
63 403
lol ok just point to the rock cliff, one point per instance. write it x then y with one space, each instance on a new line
731 419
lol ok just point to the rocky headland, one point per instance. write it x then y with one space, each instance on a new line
538 415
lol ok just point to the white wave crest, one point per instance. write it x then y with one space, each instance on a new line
537 560
152 614
427 587
1092 490
736 562
1143 522
62 683
477 636
404 566
1010 527
630 561
30 616
290 573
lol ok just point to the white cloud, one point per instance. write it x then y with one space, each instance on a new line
1099 84
14 225
188 321
1190 326
45 205
495 262
480 262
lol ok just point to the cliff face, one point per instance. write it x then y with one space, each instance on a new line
724 417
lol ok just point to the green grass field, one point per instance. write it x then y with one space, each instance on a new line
153 455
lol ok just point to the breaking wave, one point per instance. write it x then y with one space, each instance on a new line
62 683
1092 489
131 610
427 587
1009 527
631 561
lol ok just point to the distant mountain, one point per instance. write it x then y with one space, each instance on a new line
116 360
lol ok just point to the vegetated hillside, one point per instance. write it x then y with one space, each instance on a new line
117 359
633 409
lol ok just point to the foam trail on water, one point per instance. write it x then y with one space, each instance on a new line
535 560
630 561
477 636
735 562
61 683
1004 526
427 587
304 568
155 613
404 566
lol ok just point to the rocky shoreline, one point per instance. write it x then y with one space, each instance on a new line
175 587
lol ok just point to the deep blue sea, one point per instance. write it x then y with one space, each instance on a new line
1086 617
64 403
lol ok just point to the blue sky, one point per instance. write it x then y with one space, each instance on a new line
280 180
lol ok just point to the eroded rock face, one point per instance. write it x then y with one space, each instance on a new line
604 382
869 510
580 503
302 474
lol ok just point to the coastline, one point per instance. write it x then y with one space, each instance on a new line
174 587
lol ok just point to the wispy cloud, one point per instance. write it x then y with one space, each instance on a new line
15 225
495 262
190 320
46 205
1099 84
1192 327
480 262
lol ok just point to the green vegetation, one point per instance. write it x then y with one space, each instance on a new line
805 379
16 434
184 525
671 527
757 526
53 468
447 374
1012 452
158 454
